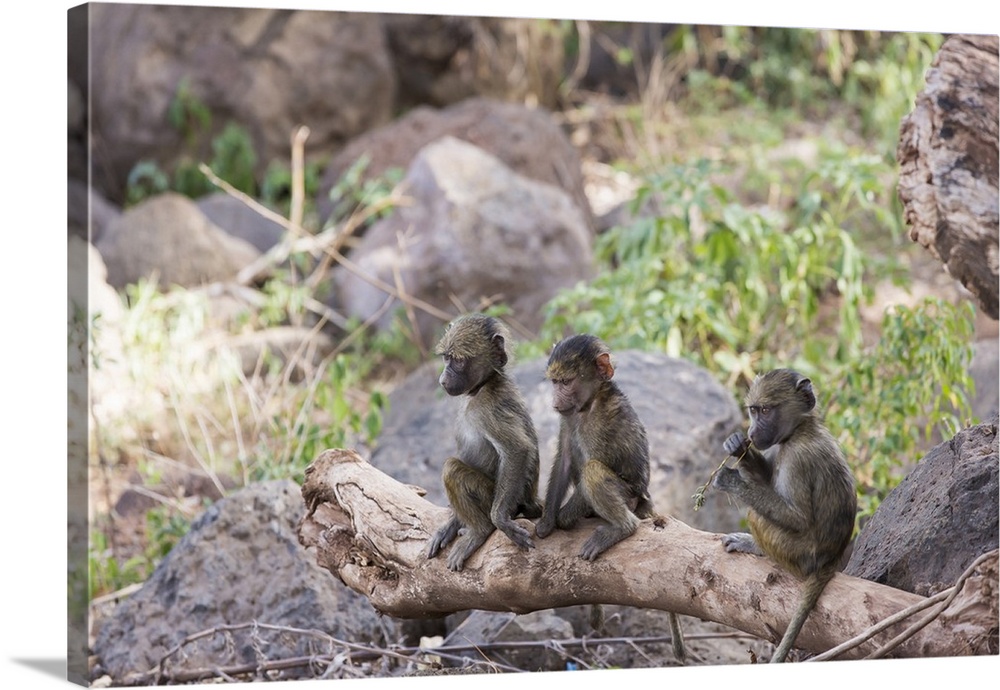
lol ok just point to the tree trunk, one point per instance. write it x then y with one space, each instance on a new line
372 532
948 158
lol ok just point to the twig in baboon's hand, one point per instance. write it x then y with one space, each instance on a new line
699 495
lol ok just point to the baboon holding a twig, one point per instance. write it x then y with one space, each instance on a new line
799 489
494 477
602 451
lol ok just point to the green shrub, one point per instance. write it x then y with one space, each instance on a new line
913 386
106 574
709 278
233 156
330 412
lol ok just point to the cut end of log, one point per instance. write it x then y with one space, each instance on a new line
948 165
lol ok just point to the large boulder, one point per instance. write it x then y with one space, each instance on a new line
240 220
240 563
269 70
939 519
685 440
527 140
168 237
475 231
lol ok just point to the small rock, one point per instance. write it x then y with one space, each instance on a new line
166 236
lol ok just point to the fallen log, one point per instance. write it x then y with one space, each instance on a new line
371 531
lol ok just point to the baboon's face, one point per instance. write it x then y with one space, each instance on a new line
776 403
577 367
461 375
473 348
569 395
763 423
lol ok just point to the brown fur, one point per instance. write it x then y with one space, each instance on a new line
494 477
797 484
602 452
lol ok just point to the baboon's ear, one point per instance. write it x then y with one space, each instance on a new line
805 389
605 370
499 350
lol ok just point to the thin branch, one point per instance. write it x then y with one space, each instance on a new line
880 626
414 655
363 327
582 58
117 595
401 289
336 238
296 210
913 629
388 289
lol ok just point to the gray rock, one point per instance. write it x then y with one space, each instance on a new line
441 60
241 562
475 230
527 140
269 70
241 221
687 415
484 627
939 519
167 236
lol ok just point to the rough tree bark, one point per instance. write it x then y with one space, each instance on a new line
372 532
948 159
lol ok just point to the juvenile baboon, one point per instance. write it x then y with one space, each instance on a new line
494 478
602 451
797 485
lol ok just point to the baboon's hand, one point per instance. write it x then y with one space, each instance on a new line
442 538
737 444
437 543
456 559
728 479
740 542
544 527
517 534
591 549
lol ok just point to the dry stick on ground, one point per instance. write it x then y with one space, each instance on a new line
371 531
315 244
362 652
